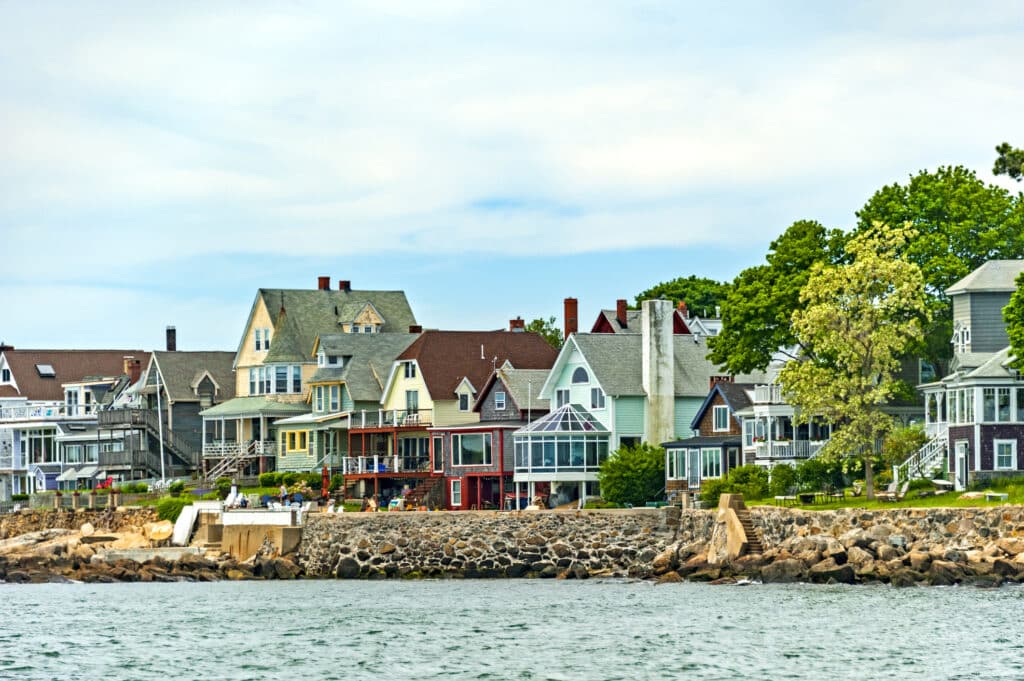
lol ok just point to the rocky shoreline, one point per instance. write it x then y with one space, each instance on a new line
901 547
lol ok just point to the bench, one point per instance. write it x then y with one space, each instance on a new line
996 496
785 500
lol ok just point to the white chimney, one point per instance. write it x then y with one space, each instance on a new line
658 370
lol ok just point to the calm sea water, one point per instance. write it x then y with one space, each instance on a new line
599 629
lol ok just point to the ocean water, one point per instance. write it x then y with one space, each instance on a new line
515 629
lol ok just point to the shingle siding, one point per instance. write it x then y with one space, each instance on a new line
988 331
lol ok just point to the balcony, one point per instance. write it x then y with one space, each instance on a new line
398 463
392 418
768 394
224 448
27 412
788 449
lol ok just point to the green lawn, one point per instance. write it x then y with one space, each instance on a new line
947 500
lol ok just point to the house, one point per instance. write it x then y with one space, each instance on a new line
165 425
274 363
49 401
718 444
433 384
609 390
625 320
974 417
477 458
350 375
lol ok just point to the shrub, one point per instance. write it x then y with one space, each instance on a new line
919 484
815 474
314 480
633 475
223 485
337 482
751 481
19 497
169 508
290 479
883 478
271 479
176 487
783 480
710 490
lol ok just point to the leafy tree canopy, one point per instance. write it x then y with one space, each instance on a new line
960 223
701 295
757 310
1013 315
549 330
633 475
860 317
1010 161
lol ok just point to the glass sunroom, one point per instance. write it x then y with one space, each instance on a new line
559 455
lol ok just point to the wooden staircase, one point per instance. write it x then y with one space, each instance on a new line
420 492
754 544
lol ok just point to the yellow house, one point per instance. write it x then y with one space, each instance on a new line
274 365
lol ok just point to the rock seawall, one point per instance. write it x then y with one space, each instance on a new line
122 519
568 544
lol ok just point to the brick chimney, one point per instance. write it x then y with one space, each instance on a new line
620 312
683 310
344 285
323 283
172 339
133 368
415 328
571 316
517 325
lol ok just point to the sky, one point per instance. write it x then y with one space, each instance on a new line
160 162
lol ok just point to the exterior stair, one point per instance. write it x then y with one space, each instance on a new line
921 463
176 443
754 544
418 495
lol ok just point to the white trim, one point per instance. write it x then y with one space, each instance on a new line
714 418
451 491
995 454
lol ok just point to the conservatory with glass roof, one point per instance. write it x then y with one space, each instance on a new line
558 456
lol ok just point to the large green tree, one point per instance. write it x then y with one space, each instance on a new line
701 295
1010 161
633 475
1013 315
548 329
860 317
960 223
756 316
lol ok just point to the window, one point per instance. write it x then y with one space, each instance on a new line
710 463
412 401
367 329
1005 454
46 371
252 381
321 359
296 441
1003 404
262 339
471 449
333 360
456 492
5 375
596 398
721 418
629 441
580 376
1020 405
561 397
335 401
410 369
961 337
463 402
318 399
296 379
748 432
988 404
280 379
499 400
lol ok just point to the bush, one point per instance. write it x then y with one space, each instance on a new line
271 479
710 490
751 481
783 480
920 484
223 485
290 479
176 487
337 482
314 480
169 508
817 474
633 475
19 497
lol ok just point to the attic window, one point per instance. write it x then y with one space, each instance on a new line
46 370
580 376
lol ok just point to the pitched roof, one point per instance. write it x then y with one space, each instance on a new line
367 364
68 365
522 385
609 321
994 276
995 367
735 395
309 313
254 406
446 358
616 360
180 372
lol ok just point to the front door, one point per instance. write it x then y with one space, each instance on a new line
693 468
732 458
438 466
961 465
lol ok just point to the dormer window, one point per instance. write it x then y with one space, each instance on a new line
5 375
410 369
463 402
961 337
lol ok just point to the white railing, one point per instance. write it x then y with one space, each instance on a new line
390 418
32 411
386 463
921 463
788 449
768 394
216 450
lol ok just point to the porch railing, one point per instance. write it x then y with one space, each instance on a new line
223 448
32 411
768 394
391 418
393 463
788 449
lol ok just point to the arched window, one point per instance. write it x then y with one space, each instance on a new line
580 376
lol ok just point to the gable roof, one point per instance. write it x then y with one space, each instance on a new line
69 366
369 361
617 363
309 313
445 358
995 276
181 371
995 367
522 385
608 322
735 395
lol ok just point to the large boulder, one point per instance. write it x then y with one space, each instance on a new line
829 570
785 571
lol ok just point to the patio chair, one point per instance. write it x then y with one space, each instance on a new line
787 499
892 493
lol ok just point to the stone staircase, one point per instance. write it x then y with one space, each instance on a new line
754 544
